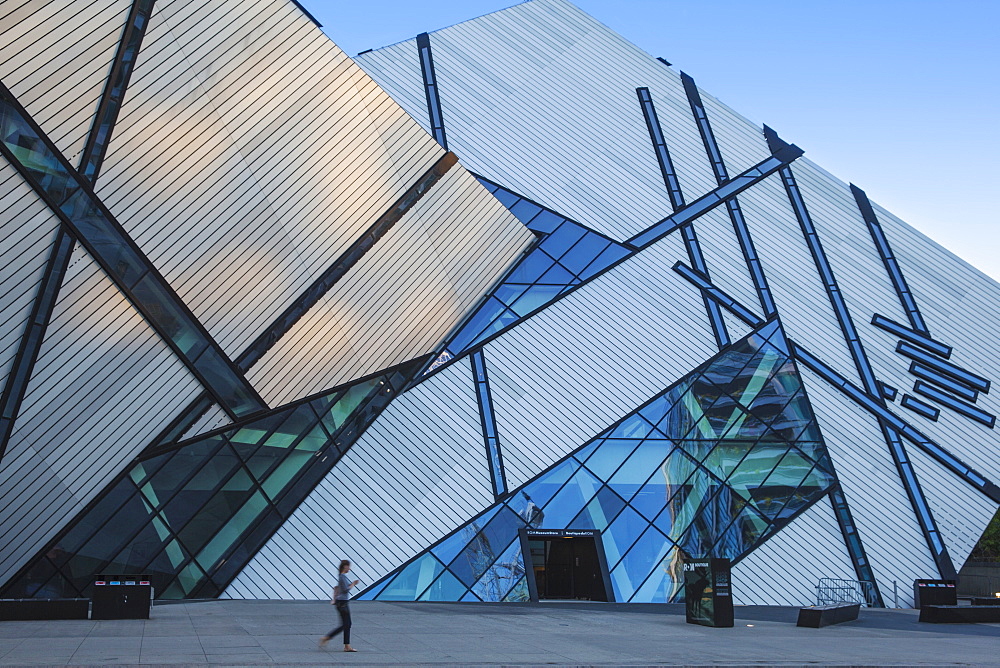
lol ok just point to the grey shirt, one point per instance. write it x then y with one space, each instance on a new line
344 585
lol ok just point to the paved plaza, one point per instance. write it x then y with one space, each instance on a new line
286 633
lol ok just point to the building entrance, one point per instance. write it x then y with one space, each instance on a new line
566 565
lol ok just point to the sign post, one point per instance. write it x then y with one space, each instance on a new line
708 596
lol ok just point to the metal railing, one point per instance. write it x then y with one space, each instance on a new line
831 592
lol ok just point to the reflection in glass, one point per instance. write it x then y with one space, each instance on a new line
708 468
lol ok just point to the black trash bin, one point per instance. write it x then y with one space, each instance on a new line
708 596
121 597
934 592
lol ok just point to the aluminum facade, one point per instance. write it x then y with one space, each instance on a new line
300 210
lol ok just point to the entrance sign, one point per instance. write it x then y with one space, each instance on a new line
708 596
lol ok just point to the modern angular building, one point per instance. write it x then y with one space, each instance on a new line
509 311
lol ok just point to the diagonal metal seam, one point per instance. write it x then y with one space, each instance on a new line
667 226
866 401
312 294
907 475
71 198
62 248
740 227
114 90
695 255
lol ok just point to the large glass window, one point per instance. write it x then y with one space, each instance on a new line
710 467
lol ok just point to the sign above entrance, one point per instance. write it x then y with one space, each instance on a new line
561 533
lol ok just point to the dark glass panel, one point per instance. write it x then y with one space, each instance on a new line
216 511
92 521
240 522
196 493
183 464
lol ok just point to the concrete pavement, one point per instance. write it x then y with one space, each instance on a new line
584 634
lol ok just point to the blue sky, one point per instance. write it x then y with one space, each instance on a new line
900 97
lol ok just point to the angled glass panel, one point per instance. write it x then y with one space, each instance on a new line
535 297
579 257
412 580
486 546
626 528
529 500
719 473
446 588
450 547
646 554
571 499
565 237
502 575
599 513
519 593
638 468
665 583
608 257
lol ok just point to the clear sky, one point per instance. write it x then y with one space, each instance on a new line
901 97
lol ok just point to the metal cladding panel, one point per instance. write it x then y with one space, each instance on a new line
961 512
561 125
961 306
103 386
741 141
882 512
419 472
247 159
787 567
724 259
567 373
27 228
401 299
801 299
55 58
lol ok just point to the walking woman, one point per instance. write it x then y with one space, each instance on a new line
341 595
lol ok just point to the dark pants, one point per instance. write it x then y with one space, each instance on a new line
345 622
